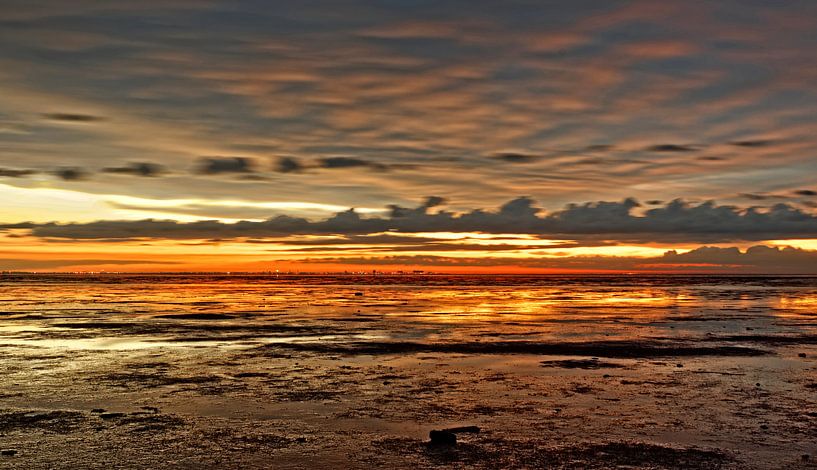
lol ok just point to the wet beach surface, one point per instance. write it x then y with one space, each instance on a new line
353 372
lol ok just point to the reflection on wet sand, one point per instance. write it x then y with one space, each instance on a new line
327 372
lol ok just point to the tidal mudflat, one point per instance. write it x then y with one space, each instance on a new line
127 371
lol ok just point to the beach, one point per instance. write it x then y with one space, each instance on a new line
274 371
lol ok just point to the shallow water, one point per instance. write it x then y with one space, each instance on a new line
353 371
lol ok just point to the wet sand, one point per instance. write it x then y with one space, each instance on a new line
346 372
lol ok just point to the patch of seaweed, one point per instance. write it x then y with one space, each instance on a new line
58 421
502 453
620 349
585 364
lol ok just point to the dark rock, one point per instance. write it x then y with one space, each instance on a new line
805 457
764 426
98 410
112 415
442 438
358 294
8 452
801 355
679 365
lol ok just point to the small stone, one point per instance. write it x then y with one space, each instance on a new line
805 457
300 439
8 452
442 438
358 294
764 426
98 410
679 365
757 384
111 415
801 355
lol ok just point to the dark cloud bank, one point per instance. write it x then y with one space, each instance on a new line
219 165
755 260
137 169
674 222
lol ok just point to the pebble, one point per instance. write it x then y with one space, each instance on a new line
111 415
8 452
801 355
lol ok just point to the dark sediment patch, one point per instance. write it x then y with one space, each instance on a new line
246 375
196 316
582 364
57 421
308 395
701 318
143 422
622 349
769 339
153 380
502 453
161 326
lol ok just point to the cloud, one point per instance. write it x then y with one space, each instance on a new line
13 264
348 162
757 259
448 86
71 174
670 148
219 165
288 165
516 157
137 169
72 117
752 143
755 197
676 221
13 173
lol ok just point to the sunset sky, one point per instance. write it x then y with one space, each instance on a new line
451 136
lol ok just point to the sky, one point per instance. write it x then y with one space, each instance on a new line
446 136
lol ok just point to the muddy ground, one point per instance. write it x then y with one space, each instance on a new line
114 376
